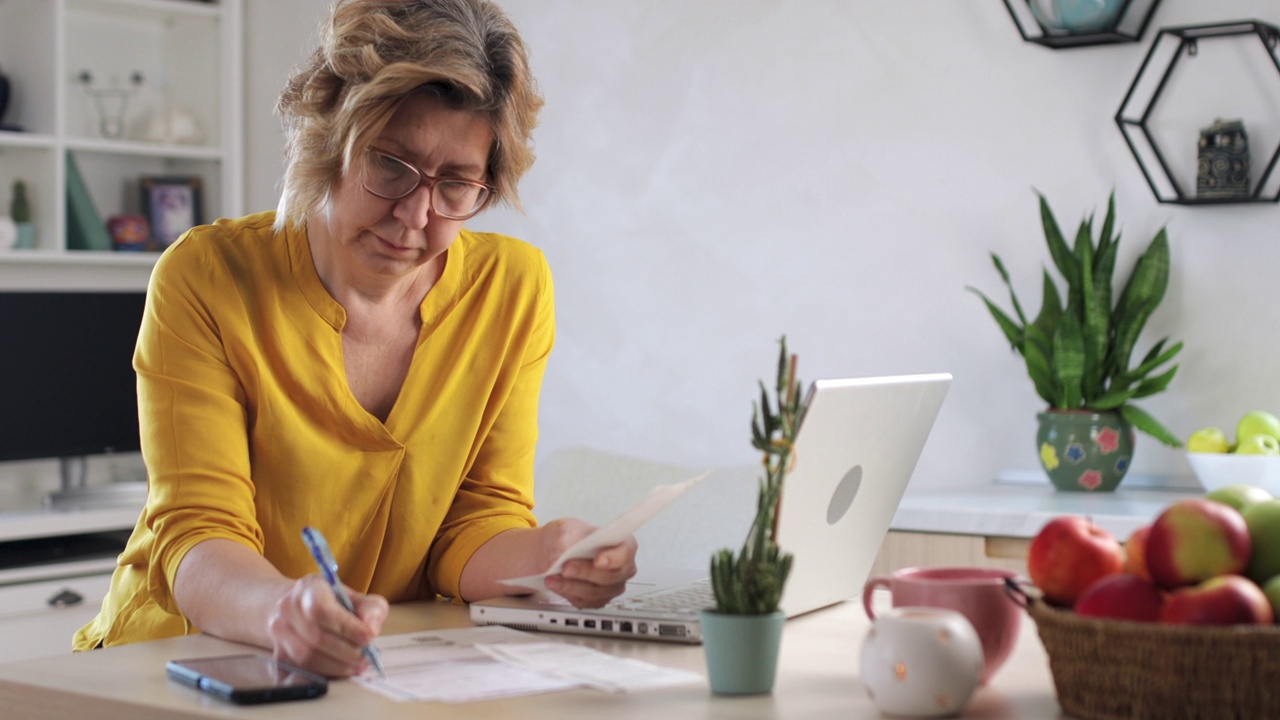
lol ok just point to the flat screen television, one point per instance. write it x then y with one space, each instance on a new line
67 386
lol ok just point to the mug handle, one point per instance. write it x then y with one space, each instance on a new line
1021 591
868 589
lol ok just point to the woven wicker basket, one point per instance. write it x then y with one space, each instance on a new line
1120 670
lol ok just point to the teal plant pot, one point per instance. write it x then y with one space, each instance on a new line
1084 451
1077 16
742 651
26 236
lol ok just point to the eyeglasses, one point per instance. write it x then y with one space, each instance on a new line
392 178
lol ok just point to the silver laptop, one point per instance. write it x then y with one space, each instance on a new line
858 444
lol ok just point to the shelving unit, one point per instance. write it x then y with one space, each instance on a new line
72 63
1248 47
1130 24
189 56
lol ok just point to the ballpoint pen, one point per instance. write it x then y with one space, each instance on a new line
329 569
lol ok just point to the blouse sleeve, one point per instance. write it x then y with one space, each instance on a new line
192 418
497 493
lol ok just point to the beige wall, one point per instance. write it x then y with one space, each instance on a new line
715 173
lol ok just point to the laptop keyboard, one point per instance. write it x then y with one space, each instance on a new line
684 599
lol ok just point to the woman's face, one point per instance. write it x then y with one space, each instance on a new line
367 234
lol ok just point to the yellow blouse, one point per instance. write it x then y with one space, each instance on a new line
250 432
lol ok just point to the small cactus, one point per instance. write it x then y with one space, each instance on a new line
20 208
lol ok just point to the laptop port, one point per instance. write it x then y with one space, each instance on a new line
570 622
625 626
671 630
606 625
589 624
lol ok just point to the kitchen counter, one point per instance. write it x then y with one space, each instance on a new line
1019 510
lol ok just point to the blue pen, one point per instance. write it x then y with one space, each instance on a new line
329 569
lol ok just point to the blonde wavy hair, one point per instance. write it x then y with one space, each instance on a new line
373 54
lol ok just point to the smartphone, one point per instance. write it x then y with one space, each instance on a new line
247 679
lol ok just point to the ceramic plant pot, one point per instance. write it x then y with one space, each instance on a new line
1084 451
742 651
1077 16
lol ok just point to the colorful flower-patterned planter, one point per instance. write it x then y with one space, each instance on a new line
1084 451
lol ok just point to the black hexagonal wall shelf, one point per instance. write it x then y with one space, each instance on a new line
1245 54
1129 24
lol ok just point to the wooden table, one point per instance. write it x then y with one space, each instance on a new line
817 678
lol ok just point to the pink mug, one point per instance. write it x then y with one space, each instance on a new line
975 592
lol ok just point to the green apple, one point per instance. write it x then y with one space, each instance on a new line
1263 521
1239 496
1258 422
1272 590
1258 445
1208 440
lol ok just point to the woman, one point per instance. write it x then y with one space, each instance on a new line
356 361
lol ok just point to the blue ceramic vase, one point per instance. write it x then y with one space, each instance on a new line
1077 16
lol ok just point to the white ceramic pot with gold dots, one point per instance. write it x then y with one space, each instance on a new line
921 662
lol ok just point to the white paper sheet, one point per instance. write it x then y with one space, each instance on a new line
460 665
615 532
446 666
589 667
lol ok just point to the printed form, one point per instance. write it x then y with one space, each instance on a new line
460 665
457 665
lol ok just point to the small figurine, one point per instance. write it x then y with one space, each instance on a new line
4 95
20 211
129 232
1223 172
5 89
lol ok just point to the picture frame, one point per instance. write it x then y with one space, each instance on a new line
172 204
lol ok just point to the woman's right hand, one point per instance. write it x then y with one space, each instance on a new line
310 629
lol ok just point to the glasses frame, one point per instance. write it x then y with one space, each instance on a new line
430 182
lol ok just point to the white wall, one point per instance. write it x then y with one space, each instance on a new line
715 173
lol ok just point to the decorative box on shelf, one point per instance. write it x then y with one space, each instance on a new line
1189 160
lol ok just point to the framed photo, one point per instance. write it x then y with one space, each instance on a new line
172 205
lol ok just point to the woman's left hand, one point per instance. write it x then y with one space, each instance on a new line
587 582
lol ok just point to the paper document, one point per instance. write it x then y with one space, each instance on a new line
459 665
615 532
591 668
446 666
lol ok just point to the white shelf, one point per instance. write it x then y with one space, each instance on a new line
57 571
152 8
143 149
28 140
100 258
189 55
52 523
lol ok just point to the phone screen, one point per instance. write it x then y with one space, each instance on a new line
248 679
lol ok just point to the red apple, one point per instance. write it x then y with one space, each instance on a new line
1135 553
1223 600
1068 555
1195 539
1121 597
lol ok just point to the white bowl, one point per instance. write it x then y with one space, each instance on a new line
1218 470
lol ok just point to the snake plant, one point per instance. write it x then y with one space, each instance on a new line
751 581
1079 356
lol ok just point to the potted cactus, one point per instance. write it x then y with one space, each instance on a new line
1079 354
742 633
20 211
